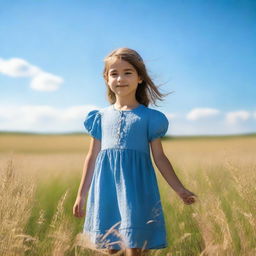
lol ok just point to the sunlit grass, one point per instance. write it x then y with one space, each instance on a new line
40 175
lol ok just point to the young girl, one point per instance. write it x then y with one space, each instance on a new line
123 209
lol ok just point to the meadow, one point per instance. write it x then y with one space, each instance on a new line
40 175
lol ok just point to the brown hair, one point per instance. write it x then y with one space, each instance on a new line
147 92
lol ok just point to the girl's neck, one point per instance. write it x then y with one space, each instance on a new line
126 103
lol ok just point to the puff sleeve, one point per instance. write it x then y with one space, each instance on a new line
92 124
158 125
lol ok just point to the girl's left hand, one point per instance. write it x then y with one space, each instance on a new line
187 196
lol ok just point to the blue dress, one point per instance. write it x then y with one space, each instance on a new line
123 208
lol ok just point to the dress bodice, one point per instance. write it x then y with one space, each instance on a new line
126 129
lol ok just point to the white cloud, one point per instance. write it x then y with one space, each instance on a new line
45 82
43 118
34 114
40 80
16 67
76 112
234 117
198 113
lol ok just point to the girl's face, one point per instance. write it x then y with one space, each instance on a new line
122 77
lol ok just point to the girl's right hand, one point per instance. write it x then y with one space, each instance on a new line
78 208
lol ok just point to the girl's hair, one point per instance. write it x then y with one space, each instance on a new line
147 92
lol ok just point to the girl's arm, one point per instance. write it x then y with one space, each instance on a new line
166 169
89 164
88 168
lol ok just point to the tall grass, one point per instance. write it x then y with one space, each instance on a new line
16 198
38 190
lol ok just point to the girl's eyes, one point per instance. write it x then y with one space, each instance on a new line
127 73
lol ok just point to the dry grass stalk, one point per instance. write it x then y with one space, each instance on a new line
16 198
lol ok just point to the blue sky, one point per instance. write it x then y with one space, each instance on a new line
51 61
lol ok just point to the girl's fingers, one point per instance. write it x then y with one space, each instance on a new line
191 195
76 210
187 196
189 200
79 212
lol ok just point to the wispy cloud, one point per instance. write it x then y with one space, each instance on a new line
198 113
40 80
234 117
43 118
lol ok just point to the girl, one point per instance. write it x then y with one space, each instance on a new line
123 209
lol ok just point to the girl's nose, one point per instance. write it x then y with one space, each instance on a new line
119 78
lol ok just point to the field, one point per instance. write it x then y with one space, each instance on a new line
40 175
